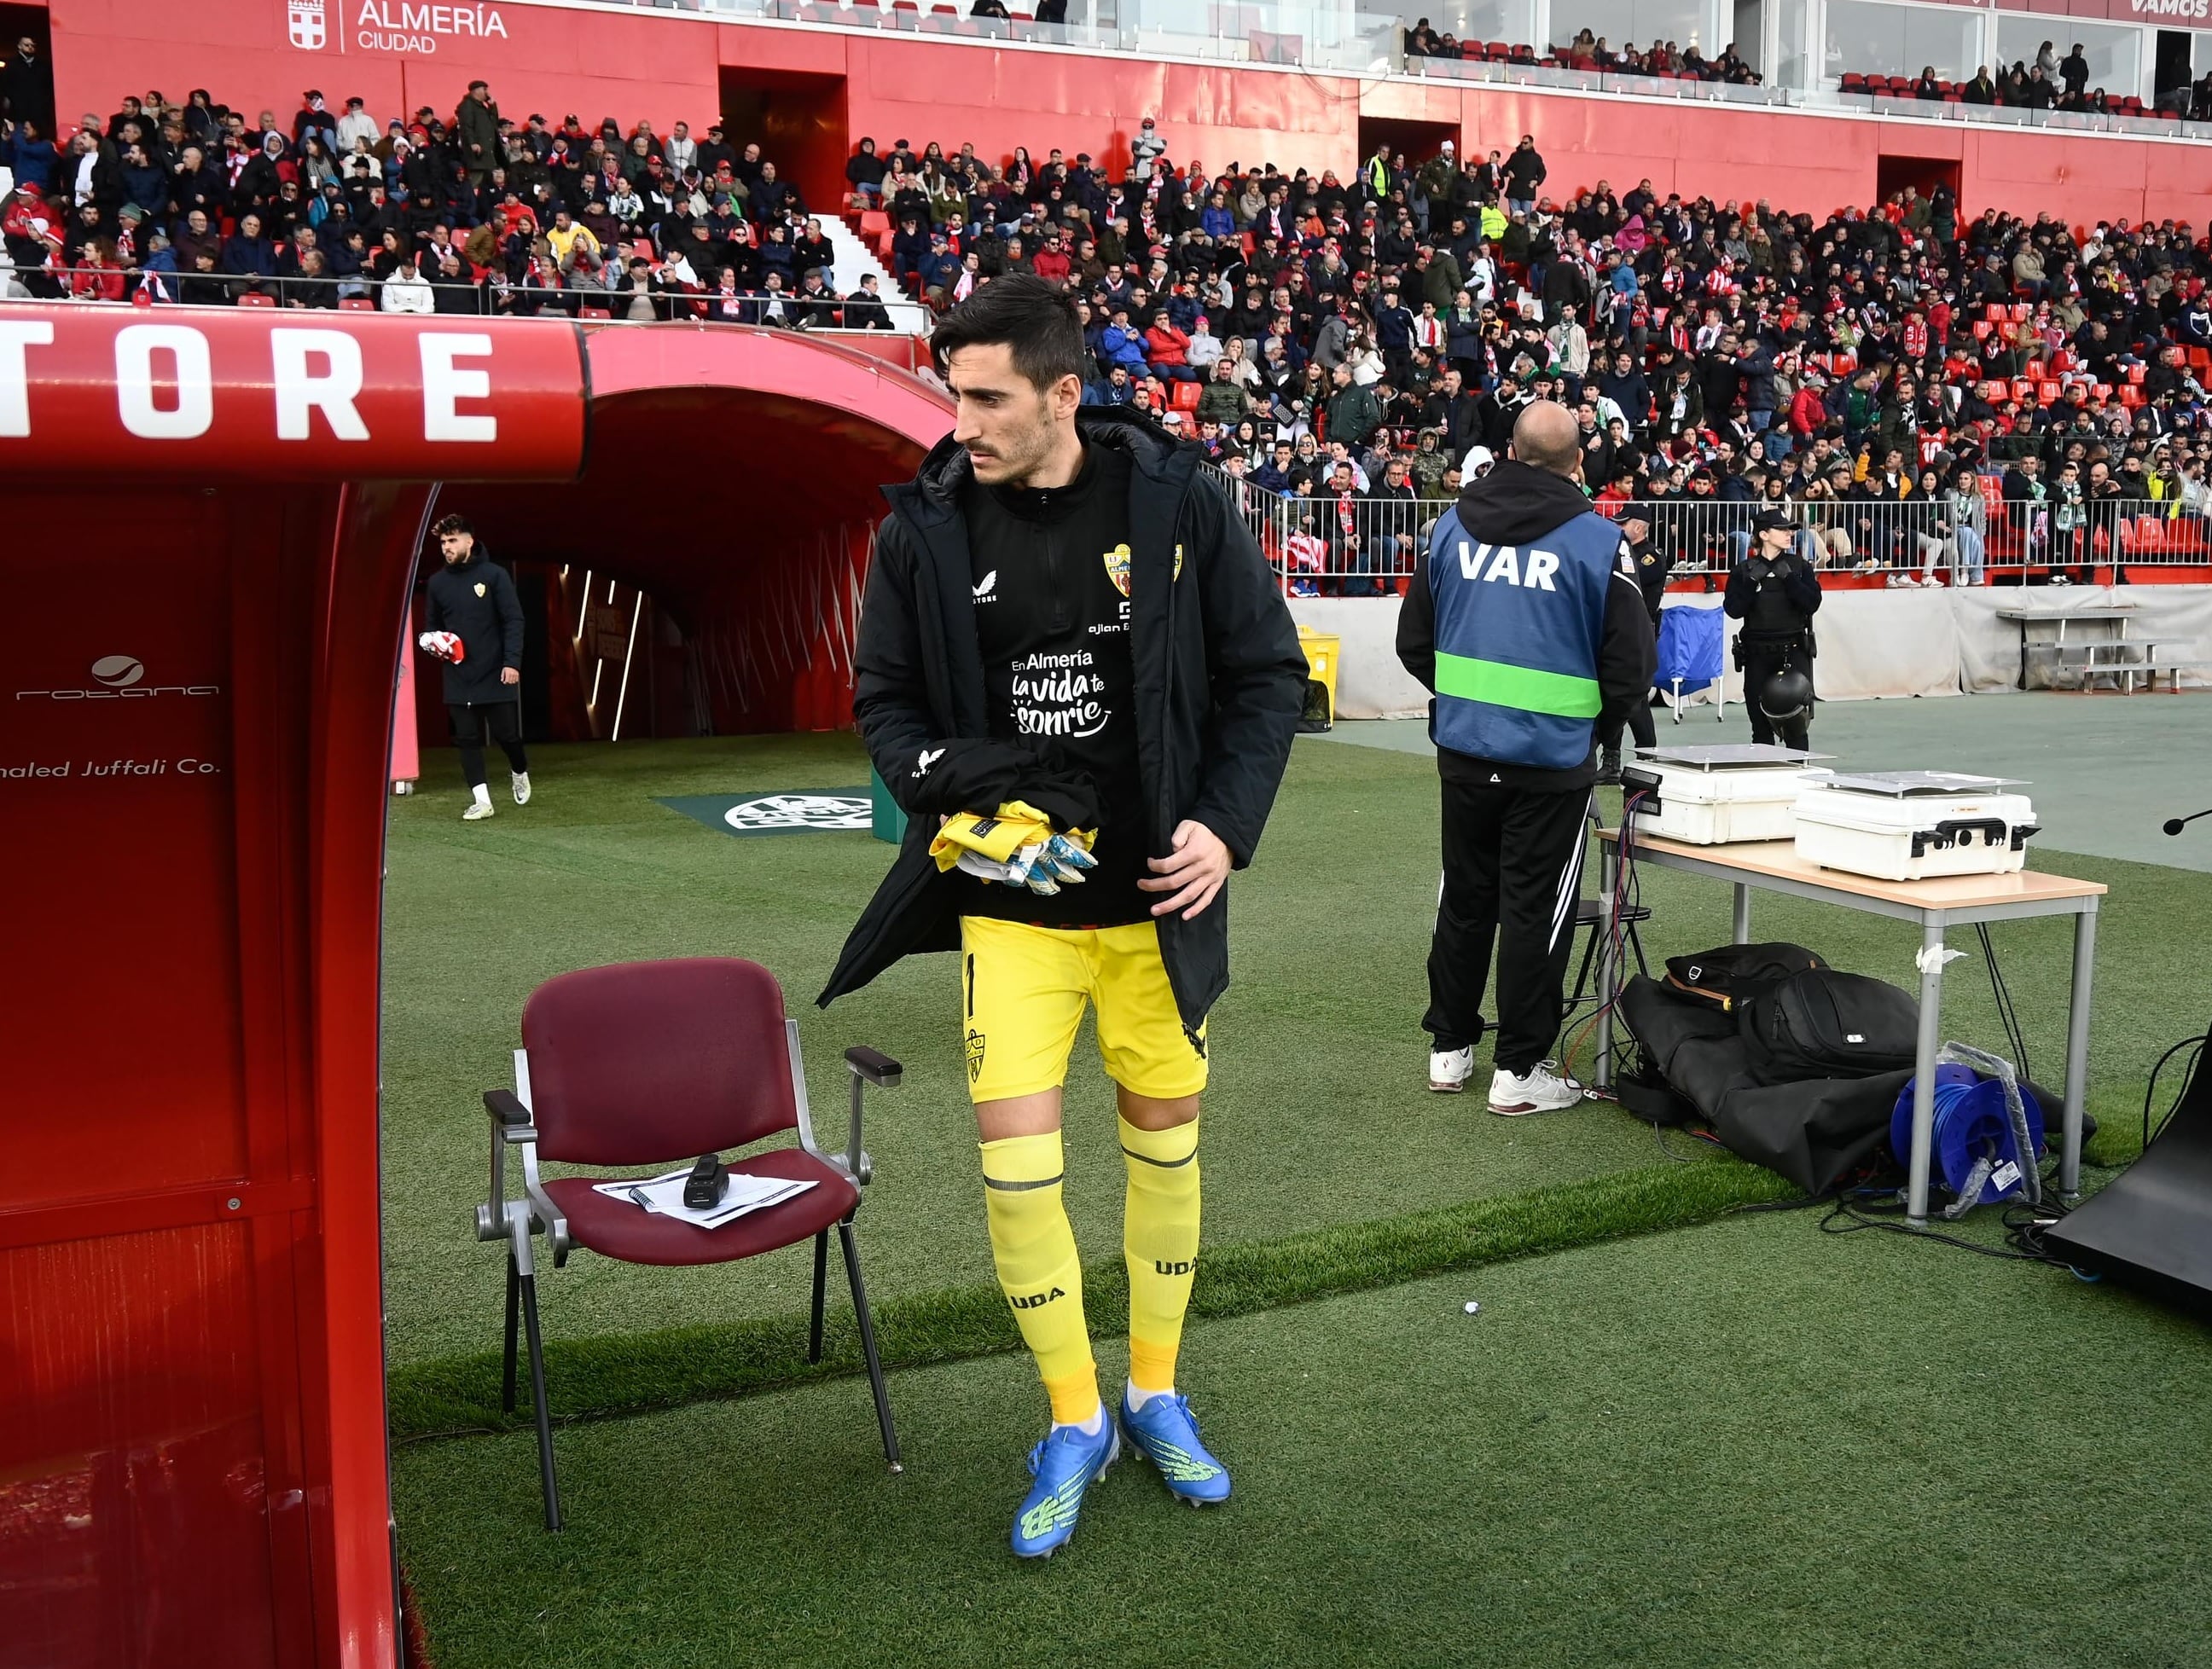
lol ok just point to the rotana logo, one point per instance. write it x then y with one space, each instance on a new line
118 678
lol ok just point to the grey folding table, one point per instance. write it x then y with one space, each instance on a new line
2089 611
1937 904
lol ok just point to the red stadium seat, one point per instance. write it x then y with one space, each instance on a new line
2046 391
2022 389
2136 374
1186 395
1981 330
2020 311
593 312
256 299
356 304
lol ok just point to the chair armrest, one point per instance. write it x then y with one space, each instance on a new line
511 1127
879 1069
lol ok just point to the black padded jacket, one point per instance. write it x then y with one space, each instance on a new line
1220 682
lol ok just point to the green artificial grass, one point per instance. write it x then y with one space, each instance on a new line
1748 1443
626 1372
1318 1119
1319 1113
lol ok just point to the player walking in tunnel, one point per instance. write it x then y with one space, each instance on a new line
1066 629
475 626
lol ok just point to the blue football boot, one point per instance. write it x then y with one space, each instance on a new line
1164 1432
1065 1463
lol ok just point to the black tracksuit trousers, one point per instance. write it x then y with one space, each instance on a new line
1513 867
471 720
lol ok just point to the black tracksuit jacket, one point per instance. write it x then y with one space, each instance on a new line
476 599
1220 682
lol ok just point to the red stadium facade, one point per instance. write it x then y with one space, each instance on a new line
193 1450
808 92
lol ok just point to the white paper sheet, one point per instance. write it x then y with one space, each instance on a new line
664 1195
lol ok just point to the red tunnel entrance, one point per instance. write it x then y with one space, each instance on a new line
192 1442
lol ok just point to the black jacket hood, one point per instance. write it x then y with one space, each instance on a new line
948 468
1515 503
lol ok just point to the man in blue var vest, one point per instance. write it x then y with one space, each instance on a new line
1526 623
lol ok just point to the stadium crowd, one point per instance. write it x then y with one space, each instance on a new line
467 213
1341 341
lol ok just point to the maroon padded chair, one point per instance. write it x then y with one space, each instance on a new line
655 1064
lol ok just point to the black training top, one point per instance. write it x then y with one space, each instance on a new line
1050 572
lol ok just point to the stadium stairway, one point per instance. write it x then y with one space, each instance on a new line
855 257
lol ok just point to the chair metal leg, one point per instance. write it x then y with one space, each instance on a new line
868 1345
551 1485
821 1283
513 1318
1582 973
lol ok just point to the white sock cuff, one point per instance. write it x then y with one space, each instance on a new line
481 791
1094 1425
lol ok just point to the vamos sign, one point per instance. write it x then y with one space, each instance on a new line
232 396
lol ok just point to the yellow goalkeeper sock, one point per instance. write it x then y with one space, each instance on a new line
1033 1247
1160 1236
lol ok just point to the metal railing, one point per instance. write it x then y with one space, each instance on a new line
1505 72
1365 545
1317 36
497 296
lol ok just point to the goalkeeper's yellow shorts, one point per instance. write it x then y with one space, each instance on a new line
1023 989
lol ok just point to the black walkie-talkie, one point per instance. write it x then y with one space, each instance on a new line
709 1181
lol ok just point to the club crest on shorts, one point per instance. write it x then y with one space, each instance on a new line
1117 568
974 1054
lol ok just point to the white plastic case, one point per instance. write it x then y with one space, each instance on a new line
1716 808
1910 825
1715 793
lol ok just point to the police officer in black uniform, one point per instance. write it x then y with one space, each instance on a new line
473 597
1774 593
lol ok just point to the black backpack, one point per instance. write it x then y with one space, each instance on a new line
1722 978
1824 1024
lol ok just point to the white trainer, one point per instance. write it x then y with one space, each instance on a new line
1450 1069
1542 1091
521 781
477 811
